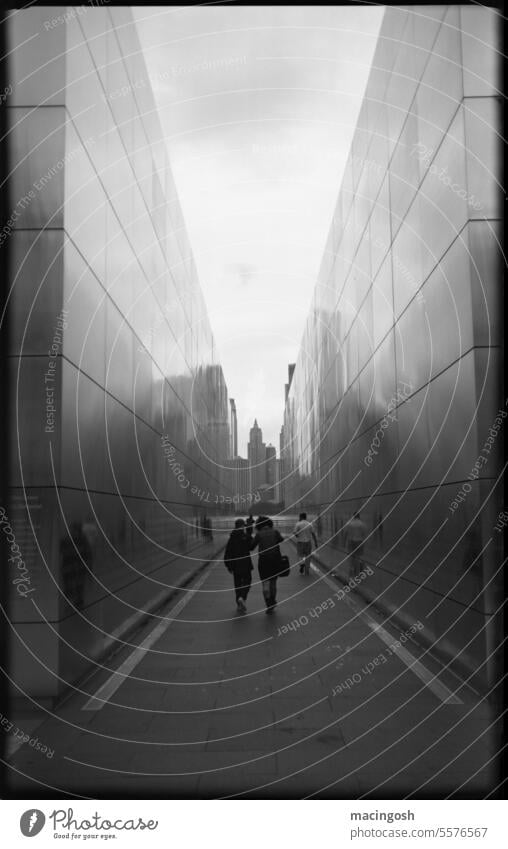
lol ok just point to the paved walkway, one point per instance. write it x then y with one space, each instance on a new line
315 699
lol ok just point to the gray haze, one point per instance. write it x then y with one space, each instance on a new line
258 106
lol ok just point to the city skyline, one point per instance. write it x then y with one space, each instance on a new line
244 454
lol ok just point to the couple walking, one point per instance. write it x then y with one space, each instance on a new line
238 561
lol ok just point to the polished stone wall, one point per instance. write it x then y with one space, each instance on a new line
397 387
119 405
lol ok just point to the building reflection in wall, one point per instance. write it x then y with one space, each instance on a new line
104 279
397 381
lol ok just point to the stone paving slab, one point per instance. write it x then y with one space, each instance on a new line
226 704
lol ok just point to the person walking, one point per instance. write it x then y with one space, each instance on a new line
304 533
238 563
355 533
267 540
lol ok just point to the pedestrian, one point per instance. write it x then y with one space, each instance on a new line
304 533
268 539
355 533
238 563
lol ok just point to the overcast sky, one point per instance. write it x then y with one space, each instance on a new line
258 106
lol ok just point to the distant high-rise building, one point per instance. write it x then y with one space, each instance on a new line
271 470
217 424
278 481
257 456
291 371
243 494
287 386
280 467
233 429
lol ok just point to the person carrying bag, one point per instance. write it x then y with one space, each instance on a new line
270 563
285 566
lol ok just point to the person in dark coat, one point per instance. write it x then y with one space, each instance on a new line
238 562
268 539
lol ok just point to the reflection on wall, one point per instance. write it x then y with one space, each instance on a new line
120 408
396 385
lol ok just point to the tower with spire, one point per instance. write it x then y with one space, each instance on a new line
257 456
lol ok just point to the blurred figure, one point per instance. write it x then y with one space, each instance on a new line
268 539
304 533
76 557
473 563
238 563
355 533
207 529
91 534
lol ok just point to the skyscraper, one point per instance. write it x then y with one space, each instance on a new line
278 481
280 467
257 456
287 386
233 429
271 470
243 497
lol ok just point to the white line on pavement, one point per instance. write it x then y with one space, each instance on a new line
440 690
118 677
